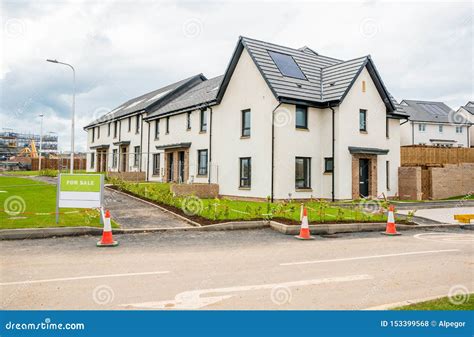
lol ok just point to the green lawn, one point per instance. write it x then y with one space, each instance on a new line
461 197
21 173
441 304
226 209
43 172
29 197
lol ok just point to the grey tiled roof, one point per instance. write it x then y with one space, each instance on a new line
143 102
469 107
198 95
426 111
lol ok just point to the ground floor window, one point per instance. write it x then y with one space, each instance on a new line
114 158
136 155
92 159
156 164
245 172
303 172
202 162
328 165
387 174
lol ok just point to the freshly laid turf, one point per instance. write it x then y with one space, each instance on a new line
25 203
218 210
464 303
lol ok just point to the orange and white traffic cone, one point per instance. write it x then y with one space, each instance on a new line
107 239
391 229
304 230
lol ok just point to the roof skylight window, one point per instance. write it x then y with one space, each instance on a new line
287 65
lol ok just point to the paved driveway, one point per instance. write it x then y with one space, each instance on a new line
442 215
131 212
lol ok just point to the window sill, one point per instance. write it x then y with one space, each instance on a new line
304 190
245 188
301 129
363 132
201 175
157 138
202 131
244 137
188 129
328 173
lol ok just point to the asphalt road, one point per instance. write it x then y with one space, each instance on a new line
258 269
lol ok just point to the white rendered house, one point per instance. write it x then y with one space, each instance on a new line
434 124
280 123
466 113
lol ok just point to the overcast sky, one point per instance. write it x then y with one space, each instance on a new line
122 49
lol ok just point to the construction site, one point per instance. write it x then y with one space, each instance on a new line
17 150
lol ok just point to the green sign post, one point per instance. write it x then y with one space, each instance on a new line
79 191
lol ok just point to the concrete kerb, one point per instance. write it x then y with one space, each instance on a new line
42 233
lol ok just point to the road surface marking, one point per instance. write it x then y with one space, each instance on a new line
192 299
82 278
445 237
369 257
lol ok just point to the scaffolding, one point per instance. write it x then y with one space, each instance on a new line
13 144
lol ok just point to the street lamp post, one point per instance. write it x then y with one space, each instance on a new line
73 108
41 142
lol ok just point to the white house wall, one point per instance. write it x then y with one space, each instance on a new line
246 90
410 134
348 134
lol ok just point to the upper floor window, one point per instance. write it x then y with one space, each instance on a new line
157 129
422 127
188 121
245 123
363 120
93 134
301 117
387 127
440 128
203 120
363 86
108 130
115 129
137 124
459 129
98 132
167 125
129 124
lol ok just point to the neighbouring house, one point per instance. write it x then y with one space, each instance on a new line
279 123
433 123
466 112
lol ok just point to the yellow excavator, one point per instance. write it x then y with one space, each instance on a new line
29 151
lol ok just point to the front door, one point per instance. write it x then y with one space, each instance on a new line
124 161
181 166
364 177
170 166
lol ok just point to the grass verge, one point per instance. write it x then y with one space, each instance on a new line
209 211
441 304
27 203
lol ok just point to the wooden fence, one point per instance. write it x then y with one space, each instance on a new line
429 155
58 164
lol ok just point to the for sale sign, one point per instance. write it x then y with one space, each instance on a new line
80 191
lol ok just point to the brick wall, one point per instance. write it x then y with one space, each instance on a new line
128 176
452 180
409 183
199 190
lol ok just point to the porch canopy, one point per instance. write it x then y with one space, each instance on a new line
173 146
367 150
